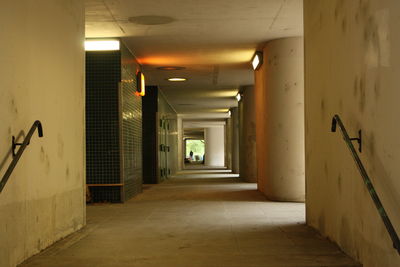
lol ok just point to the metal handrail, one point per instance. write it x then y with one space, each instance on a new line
16 156
385 218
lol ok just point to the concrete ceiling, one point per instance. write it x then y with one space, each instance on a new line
195 133
213 39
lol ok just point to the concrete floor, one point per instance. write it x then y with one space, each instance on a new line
200 166
191 222
206 174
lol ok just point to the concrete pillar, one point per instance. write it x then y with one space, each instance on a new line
181 147
247 132
279 92
235 140
228 143
215 147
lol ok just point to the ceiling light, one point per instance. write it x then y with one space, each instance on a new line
257 60
102 45
171 68
239 97
176 79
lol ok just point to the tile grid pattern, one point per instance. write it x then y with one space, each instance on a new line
113 125
131 128
103 73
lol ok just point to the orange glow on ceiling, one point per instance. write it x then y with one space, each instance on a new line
204 57
157 60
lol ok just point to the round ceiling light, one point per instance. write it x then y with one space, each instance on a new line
171 68
177 79
151 20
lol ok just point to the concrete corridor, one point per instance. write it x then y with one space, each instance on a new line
192 222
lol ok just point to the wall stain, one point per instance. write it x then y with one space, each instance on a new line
67 172
371 144
339 182
60 151
321 222
344 25
42 154
45 159
336 14
345 232
355 86
287 87
362 98
326 169
321 19
47 164
14 108
377 87
338 9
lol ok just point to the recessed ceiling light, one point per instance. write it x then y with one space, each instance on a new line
171 68
151 20
176 79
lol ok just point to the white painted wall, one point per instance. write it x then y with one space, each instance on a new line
41 77
352 51
215 146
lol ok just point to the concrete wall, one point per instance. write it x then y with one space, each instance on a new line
352 51
41 77
279 93
214 138
247 136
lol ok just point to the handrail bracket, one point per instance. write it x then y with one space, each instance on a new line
359 141
14 146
